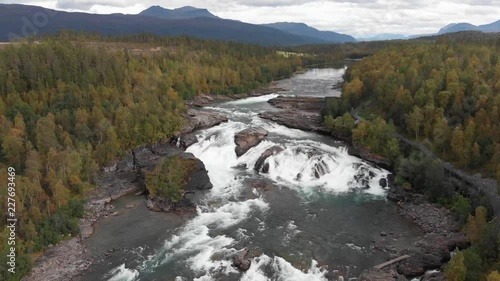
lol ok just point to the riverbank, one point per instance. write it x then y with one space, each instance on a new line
71 258
441 230
122 178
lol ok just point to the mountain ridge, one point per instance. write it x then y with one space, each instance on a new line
18 21
302 29
465 26
186 12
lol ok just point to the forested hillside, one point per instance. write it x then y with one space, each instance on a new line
447 94
444 94
71 104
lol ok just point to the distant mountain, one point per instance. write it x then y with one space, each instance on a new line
457 27
180 13
16 20
303 29
464 26
492 27
384 37
462 36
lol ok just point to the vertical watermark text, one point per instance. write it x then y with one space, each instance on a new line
11 219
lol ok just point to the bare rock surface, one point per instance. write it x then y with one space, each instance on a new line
248 138
197 120
62 262
241 261
266 154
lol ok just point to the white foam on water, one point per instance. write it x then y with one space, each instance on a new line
255 272
331 169
122 273
322 74
251 100
282 271
354 247
201 244
304 164
250 158
290 231
194 243
286 272
285 131
230 112
280 129
216 148
291 225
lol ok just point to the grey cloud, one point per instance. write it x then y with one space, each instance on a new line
281 3
87 4
356 17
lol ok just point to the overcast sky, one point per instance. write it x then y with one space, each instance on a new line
360 18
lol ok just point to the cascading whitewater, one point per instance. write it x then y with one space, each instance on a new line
205 244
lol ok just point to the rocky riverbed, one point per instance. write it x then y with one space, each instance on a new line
441 232
305 113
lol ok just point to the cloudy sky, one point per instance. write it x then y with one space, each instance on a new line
360 18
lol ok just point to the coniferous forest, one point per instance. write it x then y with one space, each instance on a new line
70 104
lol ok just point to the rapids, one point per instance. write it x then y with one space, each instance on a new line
316 218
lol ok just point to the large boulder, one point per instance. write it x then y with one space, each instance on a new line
266 154
320 169
187 140
432 251
197 120
311 104
298 119
147 158
247 139
199 179
419 263
241 261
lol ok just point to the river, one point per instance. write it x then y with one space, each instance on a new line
318 214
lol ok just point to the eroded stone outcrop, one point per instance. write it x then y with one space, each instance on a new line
147 158
247 139
241 261
311 104
266 154
197 120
